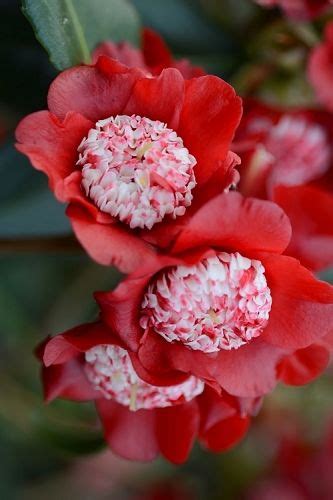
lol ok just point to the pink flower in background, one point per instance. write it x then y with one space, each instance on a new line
287 157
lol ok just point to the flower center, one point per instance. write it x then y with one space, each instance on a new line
304 154
136 169
110 370
220 303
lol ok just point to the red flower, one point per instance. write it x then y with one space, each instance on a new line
152 58
225 305
140 420
320 68
293 175
131 155
300 10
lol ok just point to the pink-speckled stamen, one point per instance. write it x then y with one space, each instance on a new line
136 169
110 370
220 303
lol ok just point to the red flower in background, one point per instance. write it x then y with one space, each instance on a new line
132 156
225 305
140 420
287 157
152 58
301 470
320 68
299 10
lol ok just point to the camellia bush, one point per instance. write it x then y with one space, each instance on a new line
179 236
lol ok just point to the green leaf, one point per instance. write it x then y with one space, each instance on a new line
70 29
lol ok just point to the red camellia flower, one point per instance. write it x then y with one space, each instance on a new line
293 175
153 58
133 156
224 304
300 10
140 420
320 68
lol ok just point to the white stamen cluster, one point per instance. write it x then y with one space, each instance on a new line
136 169
220 303
110 370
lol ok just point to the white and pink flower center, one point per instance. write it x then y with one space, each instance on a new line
137 169
220 303
295 150
110 370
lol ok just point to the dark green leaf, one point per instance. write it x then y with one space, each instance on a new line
70 29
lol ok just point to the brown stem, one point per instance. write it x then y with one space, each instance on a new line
40 244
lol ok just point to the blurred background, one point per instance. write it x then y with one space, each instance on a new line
46 285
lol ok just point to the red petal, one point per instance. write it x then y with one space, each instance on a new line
121 307
123 52
188 70
249 371
129 434
165 359
219 181
155 50
302 306
64 347
97 92
234 223
158 98
215 407
303 365
221 425
210 115
164 234
176 429
225 434
67 381
109 244
312 237
157 377
51 144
